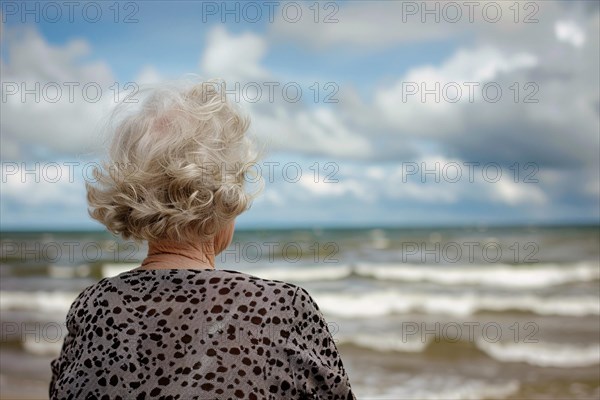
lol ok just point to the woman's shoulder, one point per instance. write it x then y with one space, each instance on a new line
255 278
218 279
86 297
298 296
286 291
221 281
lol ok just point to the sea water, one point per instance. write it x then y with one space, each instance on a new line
428 313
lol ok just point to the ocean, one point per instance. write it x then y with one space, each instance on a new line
427 313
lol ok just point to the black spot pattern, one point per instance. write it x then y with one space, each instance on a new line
197 334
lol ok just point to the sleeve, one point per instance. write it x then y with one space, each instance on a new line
315 362
65 358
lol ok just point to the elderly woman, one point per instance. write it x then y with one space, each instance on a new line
176 327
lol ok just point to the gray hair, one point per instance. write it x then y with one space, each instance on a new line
176 167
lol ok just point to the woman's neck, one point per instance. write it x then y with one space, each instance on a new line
167 255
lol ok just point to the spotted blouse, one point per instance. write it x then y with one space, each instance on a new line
197 334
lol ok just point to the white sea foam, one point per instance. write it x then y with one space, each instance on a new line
381 303
43 347
110 270
492 275
496 275
543 354
69 271
385 342
368 304
52 302
434 387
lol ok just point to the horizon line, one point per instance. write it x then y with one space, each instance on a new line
558 224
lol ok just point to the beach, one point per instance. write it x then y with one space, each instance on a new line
428 313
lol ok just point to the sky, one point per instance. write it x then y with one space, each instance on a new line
370 113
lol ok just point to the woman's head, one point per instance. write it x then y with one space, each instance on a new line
176 167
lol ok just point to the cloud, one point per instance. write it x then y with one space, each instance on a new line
548 111
148 76
368 133
514 193
234 58
66 119
270 197
54 105
452 87
362 24
42 184
320 188
569 32
525 47
316 131
372 26
281 122
378 25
